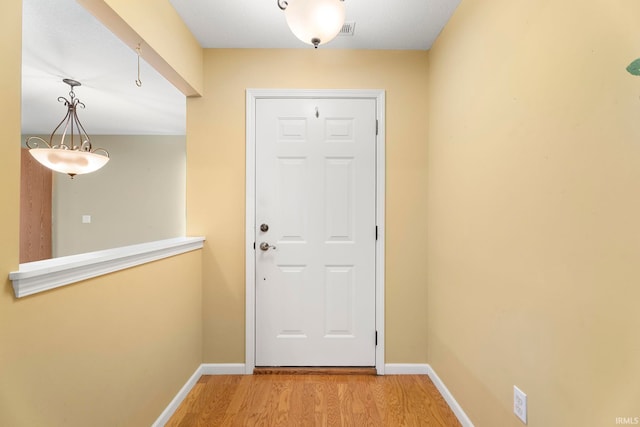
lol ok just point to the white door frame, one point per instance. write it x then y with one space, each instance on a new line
252 95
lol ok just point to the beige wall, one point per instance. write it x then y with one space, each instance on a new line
520 212
10 91
164 39
139 196
104 352
216 171
533 208
107 352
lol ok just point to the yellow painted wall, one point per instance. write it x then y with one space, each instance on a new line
533 210
216 184
106 352
164 39
110 351
10 91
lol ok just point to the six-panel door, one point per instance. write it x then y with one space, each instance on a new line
315 192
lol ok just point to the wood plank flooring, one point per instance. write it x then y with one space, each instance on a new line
313 400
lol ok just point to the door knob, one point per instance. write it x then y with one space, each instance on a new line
265 246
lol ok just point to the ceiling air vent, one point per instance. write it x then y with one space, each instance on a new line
347 29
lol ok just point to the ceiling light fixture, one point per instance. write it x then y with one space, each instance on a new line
314 22
72 159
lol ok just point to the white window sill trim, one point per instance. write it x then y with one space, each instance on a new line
40 276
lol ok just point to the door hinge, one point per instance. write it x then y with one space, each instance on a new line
376 233
376 337
376 126
254 246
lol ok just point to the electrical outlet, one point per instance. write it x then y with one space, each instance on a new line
520 404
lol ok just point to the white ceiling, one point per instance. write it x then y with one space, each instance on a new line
62 40
380 24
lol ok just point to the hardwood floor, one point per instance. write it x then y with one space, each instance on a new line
313 400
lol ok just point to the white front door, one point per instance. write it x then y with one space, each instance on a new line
315 208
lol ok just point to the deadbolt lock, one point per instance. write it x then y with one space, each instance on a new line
264 228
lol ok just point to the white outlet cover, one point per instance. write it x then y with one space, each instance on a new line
520 404
86 219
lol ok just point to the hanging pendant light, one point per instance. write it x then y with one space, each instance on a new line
315 22
76 156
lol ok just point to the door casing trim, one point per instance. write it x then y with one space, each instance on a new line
252 95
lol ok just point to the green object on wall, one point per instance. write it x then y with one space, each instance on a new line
634 67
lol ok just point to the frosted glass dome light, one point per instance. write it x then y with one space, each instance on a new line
315 22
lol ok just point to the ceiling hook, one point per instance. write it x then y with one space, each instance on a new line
138 81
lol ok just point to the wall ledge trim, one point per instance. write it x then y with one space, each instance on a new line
41 276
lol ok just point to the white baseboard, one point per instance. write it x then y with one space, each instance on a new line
204 369
448 397
426 369
406 369
222 368
173 405
239 369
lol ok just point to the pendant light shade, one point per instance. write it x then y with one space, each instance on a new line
315 22
76 155
71 162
